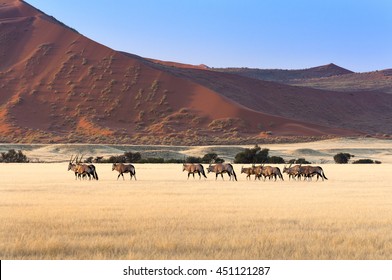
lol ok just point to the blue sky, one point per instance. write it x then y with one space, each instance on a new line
297 34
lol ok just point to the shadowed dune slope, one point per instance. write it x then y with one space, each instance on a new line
367 111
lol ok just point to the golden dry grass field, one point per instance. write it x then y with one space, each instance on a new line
46 214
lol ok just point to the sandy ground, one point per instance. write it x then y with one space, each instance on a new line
46 214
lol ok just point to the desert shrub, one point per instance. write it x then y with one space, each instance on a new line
114 159
275 159
154 86
141 115
13 156
127 157
160 160
365 161
89 160
299 161
139 94
163 99
98 159
132 157
207 158
173 160
211 157
193 159
342 158
152 160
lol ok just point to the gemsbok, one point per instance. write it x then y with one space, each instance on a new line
122 168
271 172
193 168
309 171
253 170
82 169
292 171
73 167
221 168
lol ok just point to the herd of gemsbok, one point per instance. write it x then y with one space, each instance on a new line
296 172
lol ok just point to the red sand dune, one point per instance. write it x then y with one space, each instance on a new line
59 86
366 111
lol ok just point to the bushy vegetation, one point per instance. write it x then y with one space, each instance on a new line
129 157
207 158
366 161
151 160
342 158
299 161
253 155
345 158
275 159
126 157
256 155
13 156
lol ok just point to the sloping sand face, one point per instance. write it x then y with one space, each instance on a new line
46 214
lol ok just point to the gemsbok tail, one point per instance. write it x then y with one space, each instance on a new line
202 171
95 175
232 169
280 174
323 174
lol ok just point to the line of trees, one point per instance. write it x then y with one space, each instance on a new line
253 155
130 157
249 156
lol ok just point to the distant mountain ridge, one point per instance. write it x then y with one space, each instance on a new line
279 75
369 81
327 77
58 86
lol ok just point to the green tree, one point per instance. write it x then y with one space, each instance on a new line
254 155
13 156
342 158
